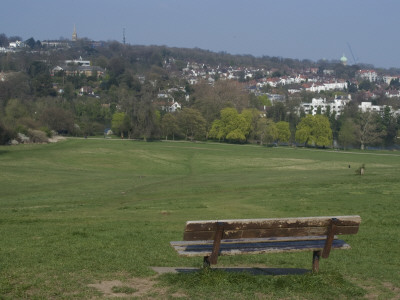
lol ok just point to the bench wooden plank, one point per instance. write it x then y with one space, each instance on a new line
257 248
242 224
263 233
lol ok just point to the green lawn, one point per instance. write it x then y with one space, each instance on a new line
85 211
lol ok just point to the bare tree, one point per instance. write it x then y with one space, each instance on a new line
367 131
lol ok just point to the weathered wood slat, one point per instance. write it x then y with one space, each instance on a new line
258 248
269 232
240 224
261 240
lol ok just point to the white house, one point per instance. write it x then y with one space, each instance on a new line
175 106
16 44
335 106
368 107
369 75
79 62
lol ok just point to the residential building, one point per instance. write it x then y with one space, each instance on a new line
323 106
369 75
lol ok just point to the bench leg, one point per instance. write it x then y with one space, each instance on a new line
206 262
315 261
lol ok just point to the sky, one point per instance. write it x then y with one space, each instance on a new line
365 31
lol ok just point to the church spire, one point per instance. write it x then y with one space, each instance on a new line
74 35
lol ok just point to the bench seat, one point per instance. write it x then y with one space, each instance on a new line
256 246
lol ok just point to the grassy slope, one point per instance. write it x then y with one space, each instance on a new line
85 210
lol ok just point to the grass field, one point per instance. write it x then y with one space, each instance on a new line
82 215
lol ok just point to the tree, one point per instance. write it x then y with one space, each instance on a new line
41 82
192 123
277 112
346 136
283 131
6 134
266 131
210 100
252 116
58 119
232 126
367 131
366 85
389 125
145 119
265 101
314 130
169 126
120 123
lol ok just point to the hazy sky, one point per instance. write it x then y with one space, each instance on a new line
308 29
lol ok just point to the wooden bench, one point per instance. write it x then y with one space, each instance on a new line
211 239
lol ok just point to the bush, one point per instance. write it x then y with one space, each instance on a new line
48 132
6 134
37 136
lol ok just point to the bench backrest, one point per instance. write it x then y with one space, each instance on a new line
265 228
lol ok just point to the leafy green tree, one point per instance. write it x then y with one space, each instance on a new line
314 130
283 131
41 82
169 126
232 126
266 131
265 101
277 112
252 116
120 123
346 136
366 85
389 125
192 123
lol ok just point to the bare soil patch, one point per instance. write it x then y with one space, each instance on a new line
143 288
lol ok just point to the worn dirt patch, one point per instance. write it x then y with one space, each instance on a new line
141 287
393 289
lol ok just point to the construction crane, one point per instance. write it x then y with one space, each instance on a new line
351 51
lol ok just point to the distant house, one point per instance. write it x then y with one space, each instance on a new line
55 43
79 62
388 79
72 70
16 44
336 105
369 75
368 107
325 86
174 107
393 94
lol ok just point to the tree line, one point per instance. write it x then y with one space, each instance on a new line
33 99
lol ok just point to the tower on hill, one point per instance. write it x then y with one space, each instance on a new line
74 35
343 60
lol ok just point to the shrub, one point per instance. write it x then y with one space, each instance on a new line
37 136
46 130
6 134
